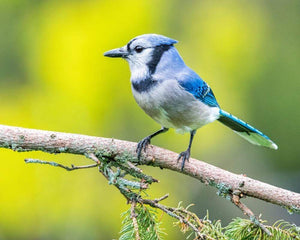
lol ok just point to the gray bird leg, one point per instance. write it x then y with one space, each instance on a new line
142 145
186 154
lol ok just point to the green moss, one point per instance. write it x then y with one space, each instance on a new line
5 145
293 209
224 190
125 156
102 154
63 149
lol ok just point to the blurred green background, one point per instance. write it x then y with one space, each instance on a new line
53 76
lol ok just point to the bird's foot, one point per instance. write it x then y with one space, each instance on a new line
185 156
142 145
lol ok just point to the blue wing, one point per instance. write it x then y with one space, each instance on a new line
200 90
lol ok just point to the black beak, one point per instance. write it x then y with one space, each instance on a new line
118 52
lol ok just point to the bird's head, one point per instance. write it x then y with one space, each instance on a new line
143 51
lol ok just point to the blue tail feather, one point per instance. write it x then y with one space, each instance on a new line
245 130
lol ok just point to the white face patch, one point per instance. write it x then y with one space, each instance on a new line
138 64
143 53
139 59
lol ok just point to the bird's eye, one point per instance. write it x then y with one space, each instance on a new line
138 49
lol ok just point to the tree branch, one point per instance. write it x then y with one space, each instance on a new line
227 183
235 199
55 164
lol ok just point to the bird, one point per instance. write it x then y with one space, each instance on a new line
174 95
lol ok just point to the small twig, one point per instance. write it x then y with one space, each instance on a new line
132 166
134 220
136 172
192 215
161 198
134 184
171 211
93 157
235 199
117 179
123 190
127 167
55 164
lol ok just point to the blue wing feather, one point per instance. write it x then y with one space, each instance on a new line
200 90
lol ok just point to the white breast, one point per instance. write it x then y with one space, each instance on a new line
173 107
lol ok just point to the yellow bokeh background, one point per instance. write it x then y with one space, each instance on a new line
53 76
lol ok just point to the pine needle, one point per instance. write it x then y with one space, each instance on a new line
148 224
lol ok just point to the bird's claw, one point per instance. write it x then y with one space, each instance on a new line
142 145
185 157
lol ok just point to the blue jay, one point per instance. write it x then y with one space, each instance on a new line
173 94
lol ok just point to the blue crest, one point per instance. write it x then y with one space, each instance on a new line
152 40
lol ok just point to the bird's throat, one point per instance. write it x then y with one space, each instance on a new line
144 85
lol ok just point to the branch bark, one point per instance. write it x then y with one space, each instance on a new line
227 183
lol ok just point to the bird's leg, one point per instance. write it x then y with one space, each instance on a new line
186 154
142 145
